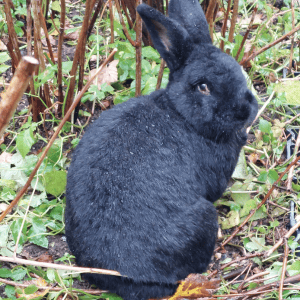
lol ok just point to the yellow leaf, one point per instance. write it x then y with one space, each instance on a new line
40 282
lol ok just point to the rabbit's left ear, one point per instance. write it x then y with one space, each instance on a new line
170 39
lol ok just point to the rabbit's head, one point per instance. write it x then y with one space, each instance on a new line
207 87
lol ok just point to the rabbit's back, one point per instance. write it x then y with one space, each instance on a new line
134 195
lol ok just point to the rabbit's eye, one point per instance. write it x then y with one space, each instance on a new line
203 89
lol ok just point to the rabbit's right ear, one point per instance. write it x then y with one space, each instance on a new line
170 39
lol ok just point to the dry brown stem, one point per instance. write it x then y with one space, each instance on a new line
247 32
68 114
44 26
38 46
59 51
224 27
284 264
11 30
132 42
138 51
160 74
233 22
80 51
58 289
291 172
289 234
233 262
293 38
26 262
94 18
259 206
16 89
111 16
210 17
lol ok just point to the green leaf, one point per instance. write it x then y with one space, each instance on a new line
31 289
249 205
264 126
150 86
232 219
36 233
294 269
55 182
263 176
10 291
240 171
272 176
291 89
4 68
54 152
111 296
56 6
15 228
5 273
25 140
150 53
256 244
57 213
4 230
4 57
18 274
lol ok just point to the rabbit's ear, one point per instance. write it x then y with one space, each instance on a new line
170 39
190 15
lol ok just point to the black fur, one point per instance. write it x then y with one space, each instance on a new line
144 176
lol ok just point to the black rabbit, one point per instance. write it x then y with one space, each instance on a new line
144 176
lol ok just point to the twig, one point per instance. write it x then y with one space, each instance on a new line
78 52
285 258
11 30
292 119
259 206
43 22
252 56
262 109
233 22
59 51
293 37
277 205
247 32
138 52
38 49
76 101
111 17
291 172
288 234
160 74
210 17
24 285
16 89
24 218
57 266
132 42
94 18
224 27
233 262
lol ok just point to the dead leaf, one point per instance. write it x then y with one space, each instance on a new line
73 36
2 46
5 157
108 74
51 39
40 282
45 257
105 104
195 286
3 207
258 19
253 157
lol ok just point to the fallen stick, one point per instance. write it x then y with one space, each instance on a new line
16 89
